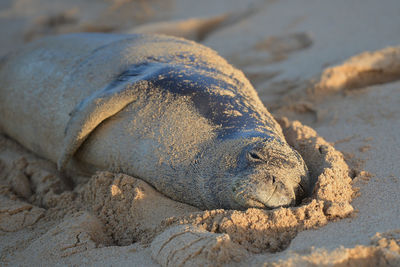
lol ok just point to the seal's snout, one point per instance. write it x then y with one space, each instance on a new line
283 195
265 192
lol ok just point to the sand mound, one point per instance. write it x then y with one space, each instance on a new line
185 245
362 70
306 97
196 29
77 233
16 215
127 210
384 250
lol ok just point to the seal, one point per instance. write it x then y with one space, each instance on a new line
167 110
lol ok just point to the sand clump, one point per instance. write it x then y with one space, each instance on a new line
130 208
121 210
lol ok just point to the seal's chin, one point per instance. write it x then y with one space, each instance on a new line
281 199
264 195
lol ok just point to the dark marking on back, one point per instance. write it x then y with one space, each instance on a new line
198 83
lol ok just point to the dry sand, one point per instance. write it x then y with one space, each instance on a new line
332 65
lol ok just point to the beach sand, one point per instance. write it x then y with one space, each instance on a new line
329 71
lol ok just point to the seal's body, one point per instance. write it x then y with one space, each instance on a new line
166 110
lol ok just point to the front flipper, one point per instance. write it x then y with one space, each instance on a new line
102 105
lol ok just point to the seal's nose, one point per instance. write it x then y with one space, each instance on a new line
268 193
282 196
275 193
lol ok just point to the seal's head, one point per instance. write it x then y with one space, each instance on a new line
260 173
272 175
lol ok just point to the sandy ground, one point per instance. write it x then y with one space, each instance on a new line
332 65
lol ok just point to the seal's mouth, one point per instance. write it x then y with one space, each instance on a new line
280 199
265 196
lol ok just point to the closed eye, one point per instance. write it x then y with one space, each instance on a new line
254 156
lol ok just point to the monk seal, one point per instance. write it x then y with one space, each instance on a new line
167 110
